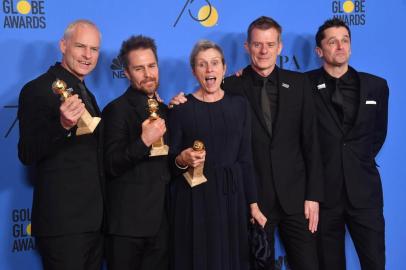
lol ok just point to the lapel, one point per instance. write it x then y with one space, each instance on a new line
323 91
363 96
138 101
253 94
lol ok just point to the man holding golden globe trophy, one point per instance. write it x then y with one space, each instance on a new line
136 163
60 135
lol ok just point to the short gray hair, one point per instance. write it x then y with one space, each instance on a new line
203 45
71 27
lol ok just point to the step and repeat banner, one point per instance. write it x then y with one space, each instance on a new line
29 35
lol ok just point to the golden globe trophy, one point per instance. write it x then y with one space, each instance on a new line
86 124
194 176
158 148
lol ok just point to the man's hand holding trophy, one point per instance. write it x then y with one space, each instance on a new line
79 116
154 128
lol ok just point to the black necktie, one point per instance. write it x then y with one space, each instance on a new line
338 100
86 99
266 107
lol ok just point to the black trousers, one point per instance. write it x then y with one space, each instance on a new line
71 252
367 230
299 242
139 253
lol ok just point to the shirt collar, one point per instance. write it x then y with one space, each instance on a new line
259 80
137 95
348 78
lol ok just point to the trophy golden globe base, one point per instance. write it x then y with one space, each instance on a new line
194 176
159 148
87 124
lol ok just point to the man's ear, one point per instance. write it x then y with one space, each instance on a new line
319 52
280 47
247 47
62 45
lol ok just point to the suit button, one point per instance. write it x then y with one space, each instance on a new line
344 144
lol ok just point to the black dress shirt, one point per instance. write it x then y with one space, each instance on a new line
271 89
348 86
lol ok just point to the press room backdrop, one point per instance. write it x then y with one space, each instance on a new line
29 34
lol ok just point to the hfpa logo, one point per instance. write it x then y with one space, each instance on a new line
289 62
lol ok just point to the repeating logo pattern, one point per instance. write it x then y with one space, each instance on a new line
289 62
24 14
21 228
352 12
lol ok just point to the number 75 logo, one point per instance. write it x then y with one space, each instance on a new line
13 123
207 15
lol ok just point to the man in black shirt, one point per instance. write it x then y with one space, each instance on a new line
67 210
136 189
352 110
284 142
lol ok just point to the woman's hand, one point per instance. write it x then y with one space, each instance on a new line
191 158
257 216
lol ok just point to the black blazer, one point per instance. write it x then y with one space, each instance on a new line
350 157
69 176
291 156
136 183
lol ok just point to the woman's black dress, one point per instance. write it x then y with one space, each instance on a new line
209 221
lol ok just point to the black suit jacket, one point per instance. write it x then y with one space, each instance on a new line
349 158
136 183
69 175
287 163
